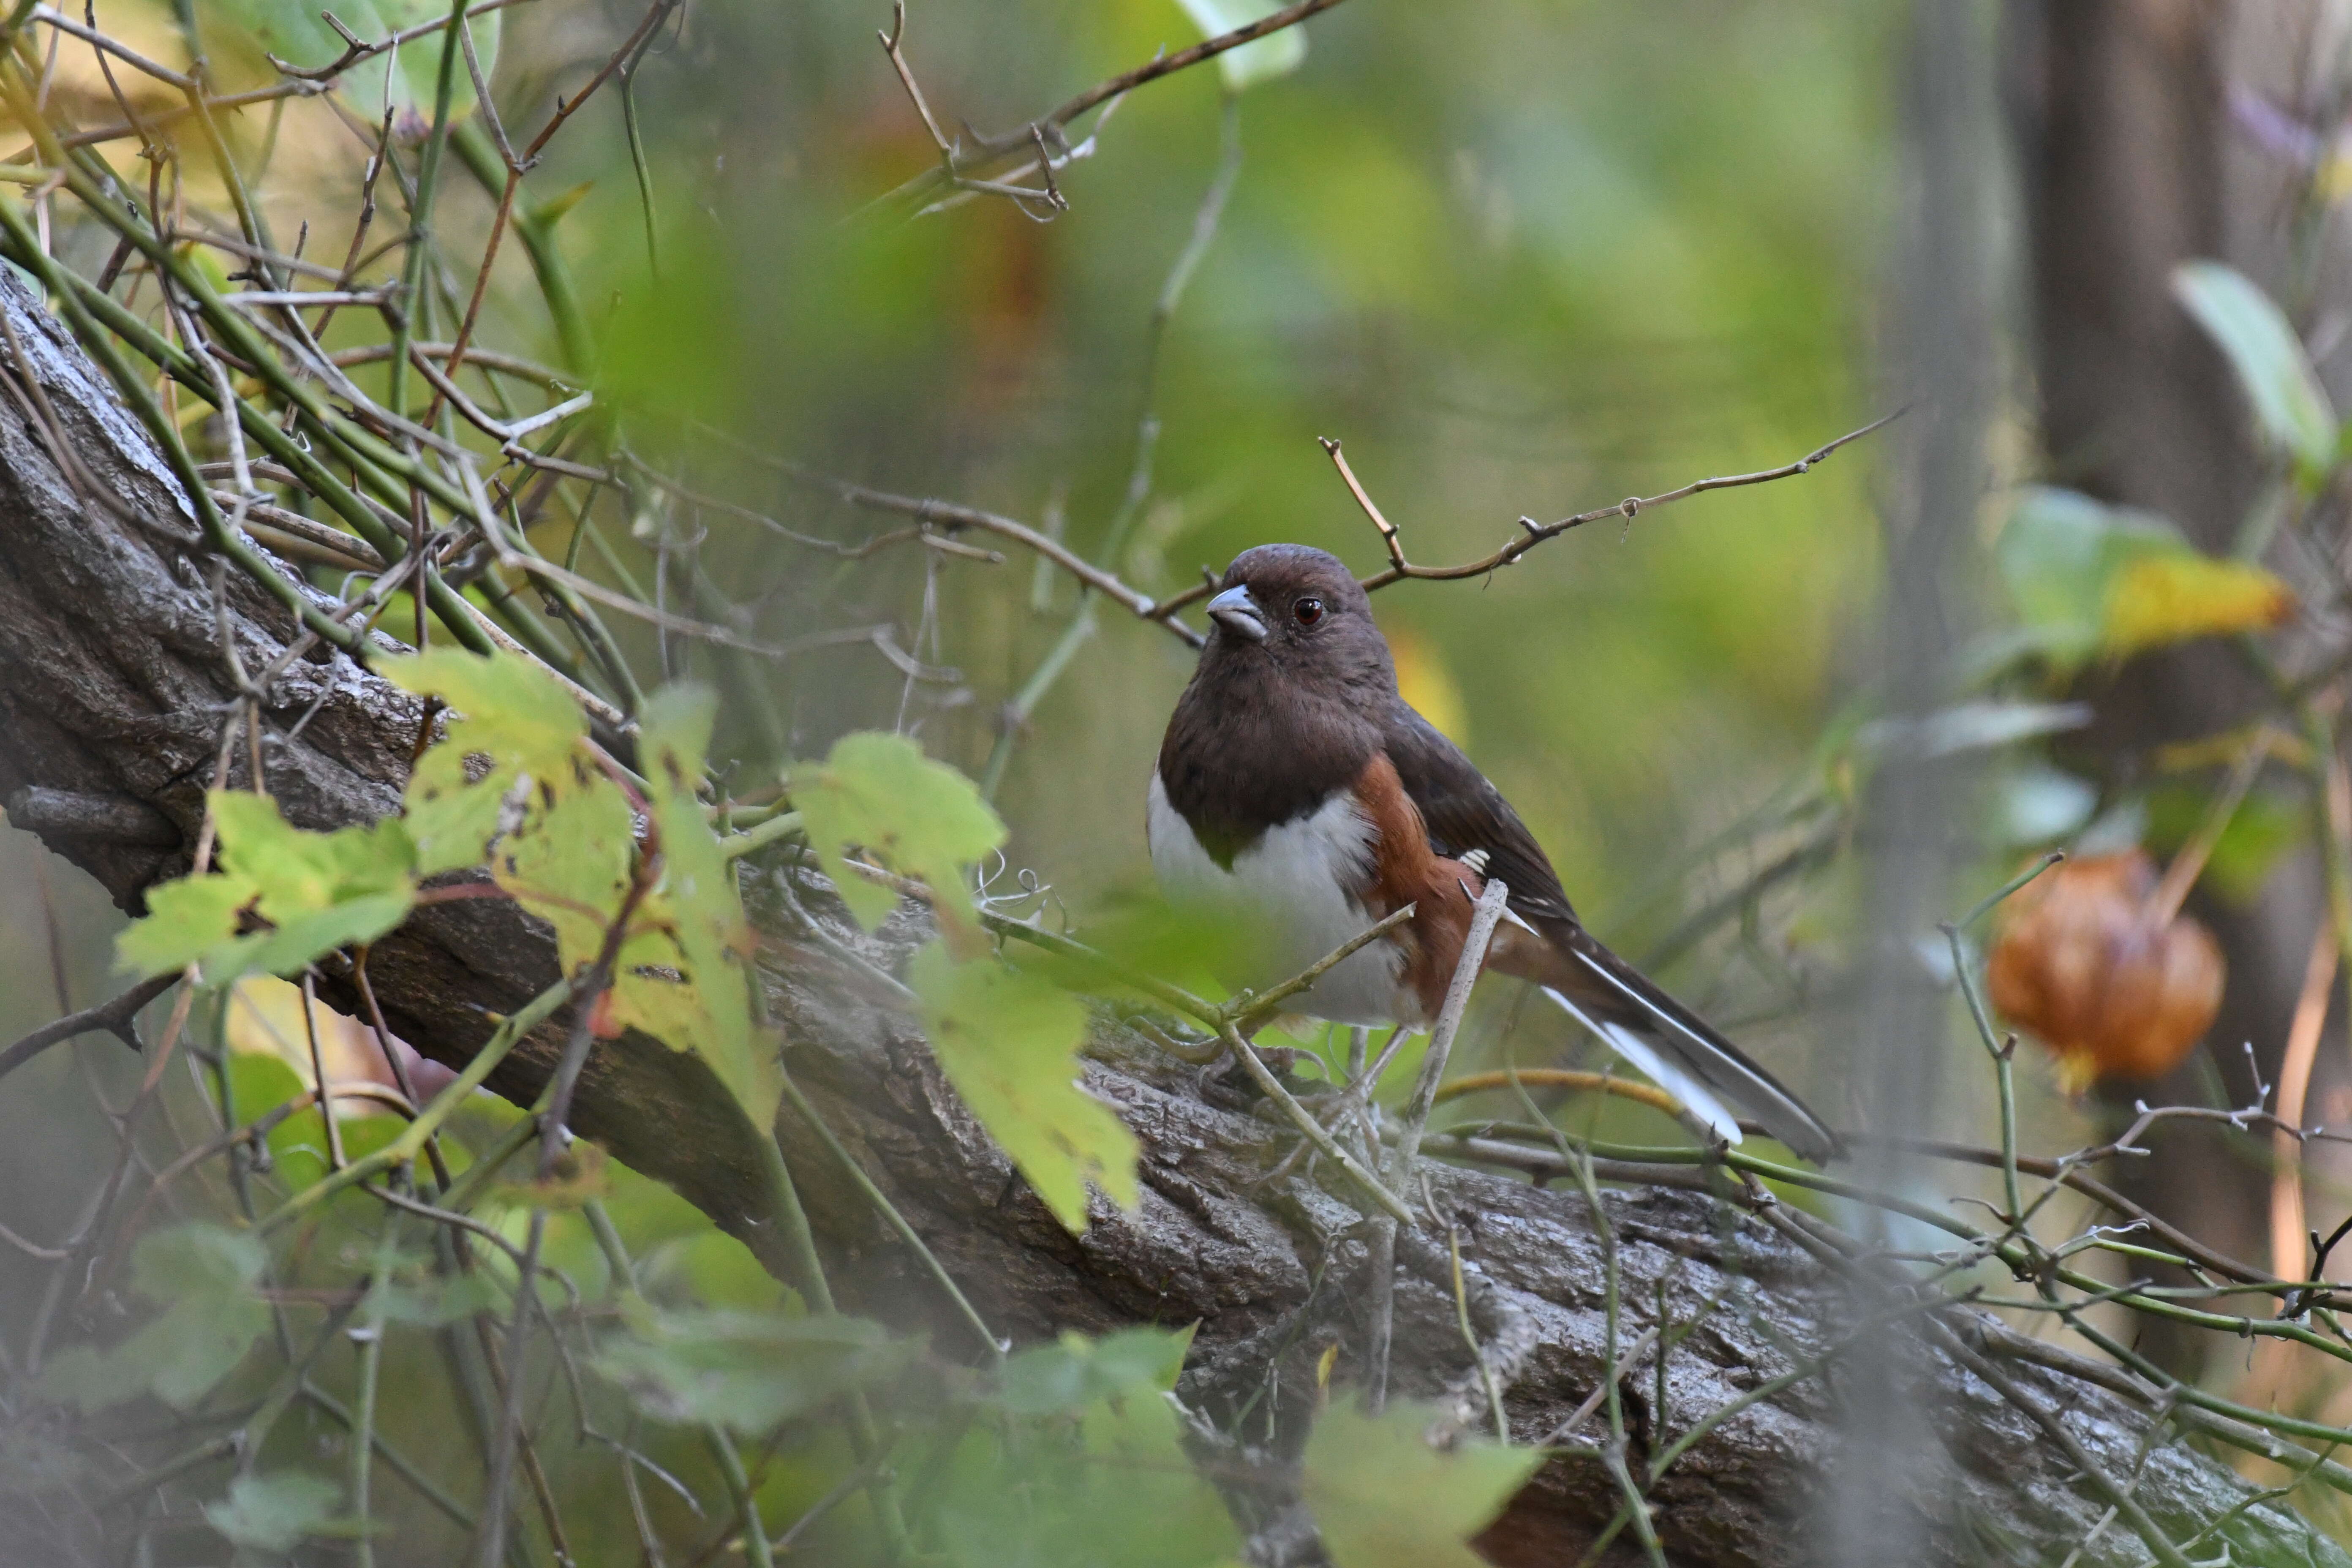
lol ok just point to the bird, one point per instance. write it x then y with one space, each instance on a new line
1299 794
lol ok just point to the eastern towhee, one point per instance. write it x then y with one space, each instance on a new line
1298 791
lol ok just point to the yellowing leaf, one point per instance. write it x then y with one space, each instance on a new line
1008 1042
2168 597
1382 1497
508 712
2089 579
880 794
568 861
2057 554
685 978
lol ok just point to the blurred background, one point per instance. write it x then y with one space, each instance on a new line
1520 268
1524 259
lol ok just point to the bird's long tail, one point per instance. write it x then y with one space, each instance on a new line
1680 1051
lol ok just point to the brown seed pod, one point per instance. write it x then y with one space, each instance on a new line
2088 960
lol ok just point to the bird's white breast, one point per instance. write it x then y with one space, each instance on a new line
1295 887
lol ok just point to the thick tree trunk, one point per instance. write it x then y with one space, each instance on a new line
111 687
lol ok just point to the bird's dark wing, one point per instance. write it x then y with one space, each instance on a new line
1666 1039
1464 813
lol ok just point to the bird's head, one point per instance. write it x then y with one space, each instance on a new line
1299 610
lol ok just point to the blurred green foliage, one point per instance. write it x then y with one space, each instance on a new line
1523 265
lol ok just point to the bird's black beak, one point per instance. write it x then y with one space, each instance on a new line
1238 613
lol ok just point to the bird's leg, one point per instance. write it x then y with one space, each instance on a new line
1335 1108
1302 1153
1357 1095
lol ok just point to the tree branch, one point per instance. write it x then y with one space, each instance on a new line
112 683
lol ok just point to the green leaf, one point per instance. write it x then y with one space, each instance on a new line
879 793
713 1269
1093 1469
1008 1042
272 1514
2260 833
2037 804
1979 725
439 1301
694 918
749 1371
2260 344
1382 1497
296 1146
204 1277
1263 59
1067 1376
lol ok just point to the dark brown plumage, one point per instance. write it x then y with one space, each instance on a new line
1295 782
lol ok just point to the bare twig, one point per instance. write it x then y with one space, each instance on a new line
950 516
1415 1116
1254 1004
357 50
2054 1424
113 1016
1533 533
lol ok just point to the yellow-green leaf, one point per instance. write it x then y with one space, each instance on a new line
508 712
185 920
1008 1041
2171 596
686 978
296 870
1382 1497
300 938
314 892
879 794
568 861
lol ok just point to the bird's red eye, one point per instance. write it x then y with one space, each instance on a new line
1306 612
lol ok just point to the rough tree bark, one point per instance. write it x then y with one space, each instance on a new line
113 690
